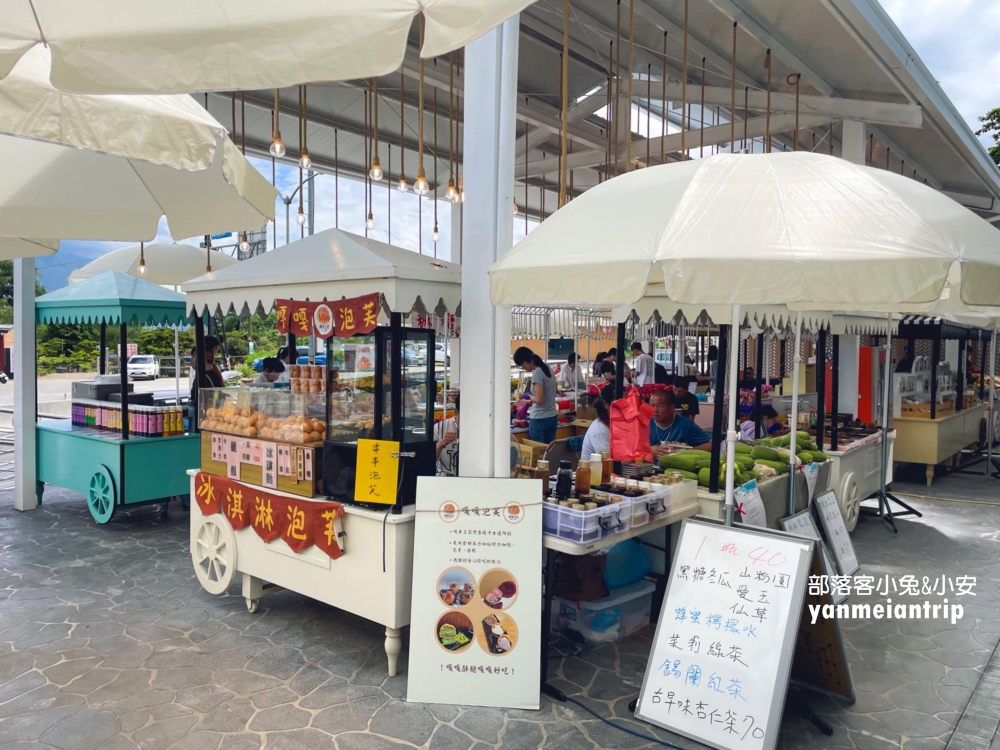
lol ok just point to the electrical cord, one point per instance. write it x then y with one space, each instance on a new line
640 735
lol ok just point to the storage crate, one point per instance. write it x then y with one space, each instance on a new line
625 612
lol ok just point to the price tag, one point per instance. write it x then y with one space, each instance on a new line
750 505
811 472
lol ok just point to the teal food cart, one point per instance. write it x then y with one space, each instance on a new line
105 459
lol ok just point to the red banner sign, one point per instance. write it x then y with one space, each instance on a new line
342 318
301 523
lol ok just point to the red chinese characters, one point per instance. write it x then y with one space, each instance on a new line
351 317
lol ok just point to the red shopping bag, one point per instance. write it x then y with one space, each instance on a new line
630 428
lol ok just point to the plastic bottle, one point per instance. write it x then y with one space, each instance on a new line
564 480
596 469
542 472
607 468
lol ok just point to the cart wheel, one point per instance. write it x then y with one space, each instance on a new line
850 503
252 605
101 495
214 555
983 430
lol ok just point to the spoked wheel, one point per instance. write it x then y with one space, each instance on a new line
214 555
850 502
101 495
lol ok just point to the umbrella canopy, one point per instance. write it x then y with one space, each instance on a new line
120 46
15 247
810 230
109 167
112 297
167 264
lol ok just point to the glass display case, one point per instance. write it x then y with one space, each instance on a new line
380 387
267 413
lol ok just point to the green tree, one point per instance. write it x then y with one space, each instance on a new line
7 281
991 127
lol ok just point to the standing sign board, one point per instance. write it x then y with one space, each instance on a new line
722 653
802 524
475 625
836 533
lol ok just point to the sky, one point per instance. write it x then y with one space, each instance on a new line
956 39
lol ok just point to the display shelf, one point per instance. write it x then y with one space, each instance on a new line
92 433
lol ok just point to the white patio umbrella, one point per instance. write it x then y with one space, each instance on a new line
121 46
167 264
15 247
109 167
809 230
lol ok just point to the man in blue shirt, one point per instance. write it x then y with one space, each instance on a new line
667 427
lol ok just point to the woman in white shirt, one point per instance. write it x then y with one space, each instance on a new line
598 436
271 372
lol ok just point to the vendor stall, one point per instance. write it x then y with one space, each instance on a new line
937 415
286 461
117 449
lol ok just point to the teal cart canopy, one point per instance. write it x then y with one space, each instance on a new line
113 298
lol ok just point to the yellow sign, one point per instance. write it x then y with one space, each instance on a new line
377 476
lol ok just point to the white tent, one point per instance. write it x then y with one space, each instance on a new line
332 264
167 264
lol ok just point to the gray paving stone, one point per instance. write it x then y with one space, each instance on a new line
356 741
162 734
123 685
231 716
300 739
181 677
242 682
522 735
198 740
84 730
279 718
336 691
482 723
346 717
245 741
410 722
308 679
31 726
273 697
913 723
449 738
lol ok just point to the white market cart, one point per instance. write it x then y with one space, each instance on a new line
378 547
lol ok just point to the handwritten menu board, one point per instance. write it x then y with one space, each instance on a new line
802 524
836 533
721 658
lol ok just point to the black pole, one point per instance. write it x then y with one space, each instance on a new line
821 387
123 371
396 383
758 421
982 368
620 363
935 356
199 364
725 333
102 366
834 394
293 350
963 350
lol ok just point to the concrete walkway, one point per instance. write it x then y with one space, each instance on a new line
107 641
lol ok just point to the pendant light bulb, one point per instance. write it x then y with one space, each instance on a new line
437 234
376 171
142 267
451 194
300 218
420 186
370 222
142 259
305 161
244 242
402 185
277 146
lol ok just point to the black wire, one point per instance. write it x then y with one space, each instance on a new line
640 735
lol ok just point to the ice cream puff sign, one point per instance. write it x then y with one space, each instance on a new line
477 563
343 318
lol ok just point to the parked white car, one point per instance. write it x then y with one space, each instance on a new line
144 366
439 354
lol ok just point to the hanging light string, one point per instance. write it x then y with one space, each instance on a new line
793 80
610 113
403 187
887 150
305 161
437 233
663 96
746 116
631 75
451 193
370 182
300 217
732 100
527 130
460 186
618 82
277 146
336 180
831 139
274 181
244 240
564 104
871 149
767 125
420 186
701 118
142 257
542 217
367 154
388 191
376 168
684 82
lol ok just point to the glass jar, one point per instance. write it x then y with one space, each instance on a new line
582 479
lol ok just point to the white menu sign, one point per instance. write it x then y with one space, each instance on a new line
721 657
836 533
802 524
475 629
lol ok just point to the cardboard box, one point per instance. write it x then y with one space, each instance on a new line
530 452
581 425
586 412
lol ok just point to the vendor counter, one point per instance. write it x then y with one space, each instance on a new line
855 474
933 441
773 493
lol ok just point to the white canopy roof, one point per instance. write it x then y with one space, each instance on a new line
332 264
167 264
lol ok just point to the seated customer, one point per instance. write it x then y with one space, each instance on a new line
769 422
667 427
598 436
271 371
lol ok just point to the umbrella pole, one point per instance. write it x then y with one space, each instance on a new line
734 360
794 420
989 425
177 368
